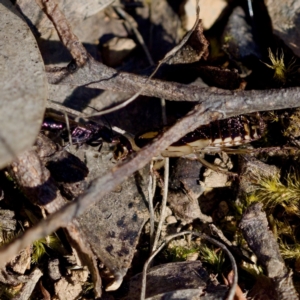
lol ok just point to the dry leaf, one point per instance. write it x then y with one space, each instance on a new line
23 85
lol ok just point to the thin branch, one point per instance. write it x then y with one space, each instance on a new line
63 109
147 263
63 28
202 114
167 57
96 75
202 236
64 72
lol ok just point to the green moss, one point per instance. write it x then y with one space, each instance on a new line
289 251
212 257
272 192
179 253
281 71
7 293
39 247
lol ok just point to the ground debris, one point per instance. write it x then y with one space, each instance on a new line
8 221
21 263
53 269
284 18
71 286
186 209
251 171
30 284
113 225
254 226
185 191
181 280
67 185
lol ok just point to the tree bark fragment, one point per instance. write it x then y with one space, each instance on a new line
260 239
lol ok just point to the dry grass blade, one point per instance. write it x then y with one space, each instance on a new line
151 191
163 204
68 128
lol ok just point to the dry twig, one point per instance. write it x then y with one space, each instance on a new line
96 75
215 104
68 38
202 236
63 72
202 114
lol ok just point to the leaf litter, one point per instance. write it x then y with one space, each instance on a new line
109 237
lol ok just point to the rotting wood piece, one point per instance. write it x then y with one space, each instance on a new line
254 226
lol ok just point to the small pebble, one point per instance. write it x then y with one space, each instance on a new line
171 220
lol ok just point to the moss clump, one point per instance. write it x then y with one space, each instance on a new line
39 247
272 192
182 253
281 71
214 258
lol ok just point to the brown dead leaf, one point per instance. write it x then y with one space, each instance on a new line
194 50
23 83
239 295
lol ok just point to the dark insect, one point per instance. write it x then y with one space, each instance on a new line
81 132
212 137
